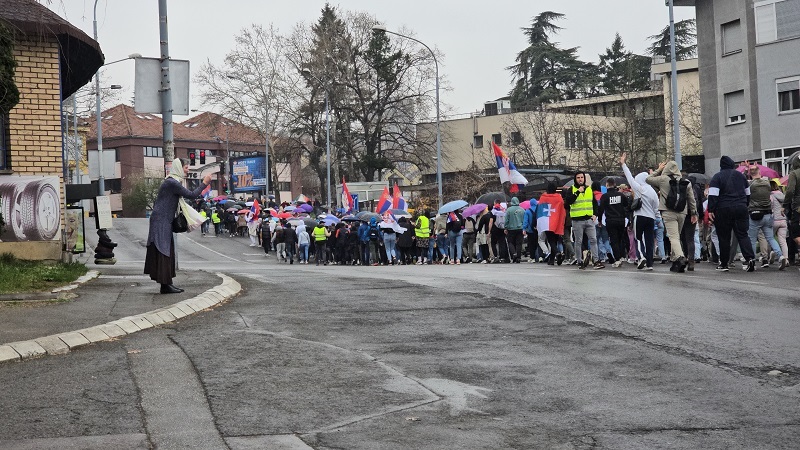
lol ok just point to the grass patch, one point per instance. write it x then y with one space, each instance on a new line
17 275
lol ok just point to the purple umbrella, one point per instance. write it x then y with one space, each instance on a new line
305 207
475 209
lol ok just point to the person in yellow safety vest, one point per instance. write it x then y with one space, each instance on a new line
216 221
204 225
583 212
422 233
321 235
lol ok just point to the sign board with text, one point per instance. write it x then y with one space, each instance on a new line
247 174
102 217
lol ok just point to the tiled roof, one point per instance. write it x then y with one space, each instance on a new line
80 55
123 121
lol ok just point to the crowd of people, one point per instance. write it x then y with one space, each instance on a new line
655 216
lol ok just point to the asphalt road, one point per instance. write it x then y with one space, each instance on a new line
475 356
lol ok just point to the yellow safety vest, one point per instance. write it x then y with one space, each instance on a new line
423 229
319 234
583 204
215 217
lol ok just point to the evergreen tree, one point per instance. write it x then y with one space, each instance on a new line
9 94
685 41
544 72
622 71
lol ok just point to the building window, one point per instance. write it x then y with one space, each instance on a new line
776 158
576 139
155 152
735 107
777 19
4 140
788 95
731 37
284 186
497 139
477 141
516 138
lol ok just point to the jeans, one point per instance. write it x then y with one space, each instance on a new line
303 254
280 249
290 252
659 229
390 244
765 225
431 242
579 228
455 240
441 244
468 245
603 242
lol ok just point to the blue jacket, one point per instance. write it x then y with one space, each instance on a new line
529 220
363 232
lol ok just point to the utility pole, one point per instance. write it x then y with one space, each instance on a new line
166 92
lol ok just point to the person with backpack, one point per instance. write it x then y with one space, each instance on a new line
676 202
760 210
374 237
791 202
363 239
727 210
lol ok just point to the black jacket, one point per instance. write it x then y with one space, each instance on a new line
728 188
615 206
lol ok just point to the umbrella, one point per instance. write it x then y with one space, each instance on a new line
243 211
350 218
366 216
231 210
248 203
489 198
527 204
284 215
236 207
305 207
765 171
784 180
698 178
241 203
455 205
330 220
477 208
301 199
220 198
226 201
289 208
400 213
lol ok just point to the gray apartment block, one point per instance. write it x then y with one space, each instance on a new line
749 64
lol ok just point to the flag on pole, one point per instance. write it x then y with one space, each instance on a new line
398 202
206 192
256 209
347 200
385 202
508 171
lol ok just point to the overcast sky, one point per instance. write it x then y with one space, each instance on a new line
478 38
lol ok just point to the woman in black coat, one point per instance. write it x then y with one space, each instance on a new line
159 262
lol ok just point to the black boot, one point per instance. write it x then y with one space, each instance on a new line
170 289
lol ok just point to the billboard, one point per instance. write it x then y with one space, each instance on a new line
31 208
247 174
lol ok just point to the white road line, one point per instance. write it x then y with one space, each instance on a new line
214 251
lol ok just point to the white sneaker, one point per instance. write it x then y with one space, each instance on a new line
617 263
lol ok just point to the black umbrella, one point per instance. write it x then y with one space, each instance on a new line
617 179
698 178
489 198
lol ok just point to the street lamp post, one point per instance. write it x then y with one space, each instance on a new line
382 28
676 130
101 183
327 135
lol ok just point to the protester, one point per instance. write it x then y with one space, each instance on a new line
422 233
160 259
759 209
290 242
513 230
613 212
676 202
583 211
303 240
321 235
644 216
551 215
727 209
455 228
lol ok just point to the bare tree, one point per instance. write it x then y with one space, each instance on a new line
255 85
535 136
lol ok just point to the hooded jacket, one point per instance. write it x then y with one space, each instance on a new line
792 200
660 182
644 191
728 188
571 196
614 206
514 215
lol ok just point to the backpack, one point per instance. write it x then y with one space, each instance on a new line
676 197
373 233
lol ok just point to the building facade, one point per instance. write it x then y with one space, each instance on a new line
132 146
53 60
749 79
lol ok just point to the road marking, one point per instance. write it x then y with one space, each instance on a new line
214 251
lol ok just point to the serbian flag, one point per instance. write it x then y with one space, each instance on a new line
347 200
385 202
550 214
507 169
206 192
398 202
256 209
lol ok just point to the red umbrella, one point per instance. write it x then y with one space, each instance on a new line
784 180
765 171
243 211
284 215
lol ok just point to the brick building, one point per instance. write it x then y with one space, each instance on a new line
53 59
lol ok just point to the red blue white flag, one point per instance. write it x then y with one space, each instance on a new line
347 199
508 171
385 203
398 202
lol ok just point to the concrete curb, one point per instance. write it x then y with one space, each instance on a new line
59 344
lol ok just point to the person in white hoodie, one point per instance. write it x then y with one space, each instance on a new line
645 216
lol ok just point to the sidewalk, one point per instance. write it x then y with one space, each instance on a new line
127 298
